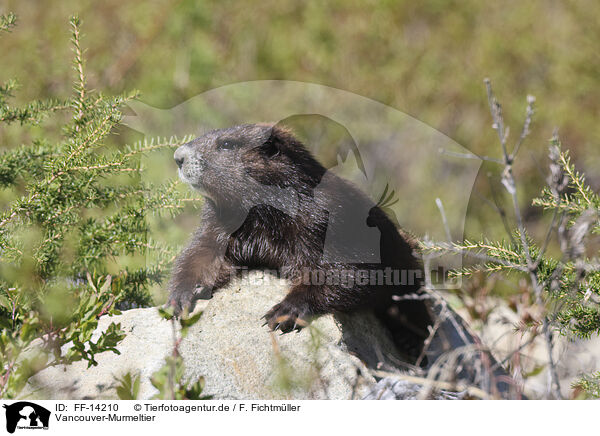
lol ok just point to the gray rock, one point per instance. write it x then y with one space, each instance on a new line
239 358
344 357
148 339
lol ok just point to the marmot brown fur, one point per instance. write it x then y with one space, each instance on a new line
271 205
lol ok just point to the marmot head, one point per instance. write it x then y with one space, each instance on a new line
247 164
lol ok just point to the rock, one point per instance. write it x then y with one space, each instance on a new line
148 339
335 357
239 358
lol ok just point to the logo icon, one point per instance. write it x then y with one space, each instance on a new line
26 415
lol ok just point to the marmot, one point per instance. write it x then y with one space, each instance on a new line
271 205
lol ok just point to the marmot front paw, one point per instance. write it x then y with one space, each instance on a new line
182 300
286 317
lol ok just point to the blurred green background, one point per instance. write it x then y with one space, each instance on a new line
426 58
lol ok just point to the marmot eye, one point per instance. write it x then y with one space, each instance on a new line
227 143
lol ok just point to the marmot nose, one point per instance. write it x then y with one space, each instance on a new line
179 157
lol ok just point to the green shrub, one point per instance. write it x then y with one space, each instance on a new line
74 241
564 285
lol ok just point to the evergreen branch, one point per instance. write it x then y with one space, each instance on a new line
8 248
63 212
561 204
6 91
32 113
487 268
577 180
27 162
116 166
101 130
7 22
490 248
9 217
79 102
589 383
472 250
18 206
156 143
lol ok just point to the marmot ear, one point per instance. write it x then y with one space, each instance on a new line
272 146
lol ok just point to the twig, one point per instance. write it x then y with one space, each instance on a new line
501 211
427 342
547 239
508 180
440 206
470 156
526 124
456 387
